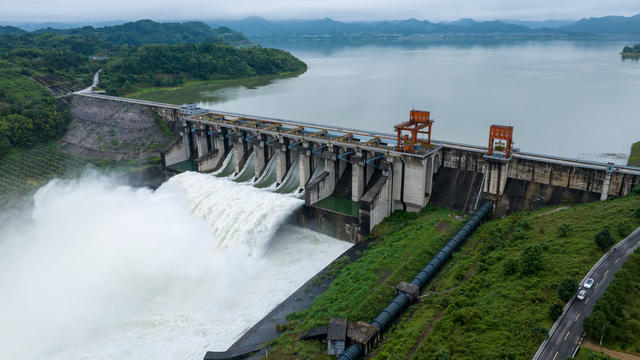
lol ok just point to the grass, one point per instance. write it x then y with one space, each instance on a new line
634 156
478 311
405 242
174 94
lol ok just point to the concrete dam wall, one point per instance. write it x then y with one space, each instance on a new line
352 179
525 182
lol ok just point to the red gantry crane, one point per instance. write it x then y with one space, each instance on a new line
419 123
504 135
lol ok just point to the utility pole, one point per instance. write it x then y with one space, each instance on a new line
601 336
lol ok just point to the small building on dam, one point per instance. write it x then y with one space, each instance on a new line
352 179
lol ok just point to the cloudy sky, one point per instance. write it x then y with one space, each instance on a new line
435 10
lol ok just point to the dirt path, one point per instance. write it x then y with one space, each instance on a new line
549 212
612 353
426 332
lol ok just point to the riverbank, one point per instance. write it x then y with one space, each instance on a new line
187 92
275 322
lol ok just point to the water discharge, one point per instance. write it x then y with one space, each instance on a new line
104 271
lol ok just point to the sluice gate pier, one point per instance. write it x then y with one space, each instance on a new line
352 179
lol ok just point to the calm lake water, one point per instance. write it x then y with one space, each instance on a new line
574 99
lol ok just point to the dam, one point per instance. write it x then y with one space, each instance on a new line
352 179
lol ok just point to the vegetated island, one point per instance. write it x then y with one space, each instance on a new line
631 52
37 70
634 156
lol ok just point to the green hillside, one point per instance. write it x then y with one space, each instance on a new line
143 32
62 61
495 299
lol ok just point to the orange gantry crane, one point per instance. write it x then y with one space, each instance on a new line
419 123
500 133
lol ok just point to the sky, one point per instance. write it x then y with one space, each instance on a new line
345 10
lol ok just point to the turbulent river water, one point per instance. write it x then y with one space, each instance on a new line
98 270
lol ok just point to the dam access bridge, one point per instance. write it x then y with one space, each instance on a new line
352 179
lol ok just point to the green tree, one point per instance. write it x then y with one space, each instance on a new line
510 266
567 289
594 323
555 310
5 146
18 128
604 240
531 259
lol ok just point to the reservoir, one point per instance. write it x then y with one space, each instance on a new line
567 98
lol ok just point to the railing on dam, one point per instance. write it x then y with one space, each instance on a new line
386 138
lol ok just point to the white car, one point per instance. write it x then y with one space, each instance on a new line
588 283
582 294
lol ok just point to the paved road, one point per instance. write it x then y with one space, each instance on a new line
96 79
566 338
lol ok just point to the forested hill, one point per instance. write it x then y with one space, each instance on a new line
11 30
607 25
150 32
62 61
258 28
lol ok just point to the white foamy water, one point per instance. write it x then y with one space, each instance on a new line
101 271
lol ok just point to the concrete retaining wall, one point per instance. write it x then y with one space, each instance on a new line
209 162
375 205
319 188
340 226
177 151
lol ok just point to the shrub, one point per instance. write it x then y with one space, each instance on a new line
637 213
555 310
565 229
604 240
531 259
524 225
567 289
624 228
636 189
519 234
510 266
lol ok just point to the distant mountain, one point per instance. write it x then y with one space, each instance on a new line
11 30
61 25
150 32
259 28
545 24
606 25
